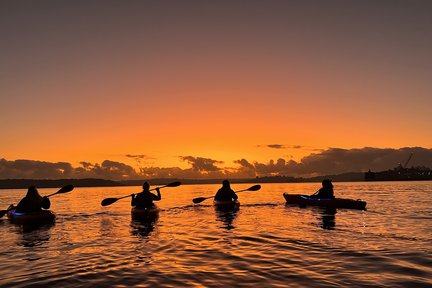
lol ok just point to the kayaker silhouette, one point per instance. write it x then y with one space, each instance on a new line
326 191
33 201
145 198
225 193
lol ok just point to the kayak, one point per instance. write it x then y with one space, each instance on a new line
305 200
31 218
139 213
227 205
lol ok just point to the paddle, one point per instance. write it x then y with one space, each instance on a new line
109 201
64 189
201 199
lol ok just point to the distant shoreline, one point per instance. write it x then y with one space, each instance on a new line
91 182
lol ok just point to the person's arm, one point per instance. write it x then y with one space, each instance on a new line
133 200
159 196
234 195
22 205
316 193
217 195
46 203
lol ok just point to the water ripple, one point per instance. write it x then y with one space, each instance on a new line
265 243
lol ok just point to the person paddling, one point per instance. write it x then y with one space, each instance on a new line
33 201
326 191
145 198
225 193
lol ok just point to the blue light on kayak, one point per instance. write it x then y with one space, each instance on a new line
18 213
315 199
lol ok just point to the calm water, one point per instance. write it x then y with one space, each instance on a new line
265 243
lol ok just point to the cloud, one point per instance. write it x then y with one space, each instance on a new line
283 146
245 164
337 160
86 164
26 169
277 146
107 170
272 168
161 172
136 157
202 164
329 161
317 149
297 147
246 169
140 159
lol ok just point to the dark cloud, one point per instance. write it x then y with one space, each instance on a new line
137 157
159 172
245 164
140 159
117 169
277 146
283 146
202 164
280 167
317 149
337 160
86 164
329 161
107 170
297 147
26 169
176 172
246 169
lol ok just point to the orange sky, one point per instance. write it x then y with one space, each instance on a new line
99 80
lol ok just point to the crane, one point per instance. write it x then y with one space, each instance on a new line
406 162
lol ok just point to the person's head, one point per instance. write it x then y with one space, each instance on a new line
226 184
326 183
146 186
32 192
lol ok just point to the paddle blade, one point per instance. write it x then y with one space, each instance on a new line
199 199
254 188
173 184
109 201
65 189
3 212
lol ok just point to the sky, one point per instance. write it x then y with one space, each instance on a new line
211 88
